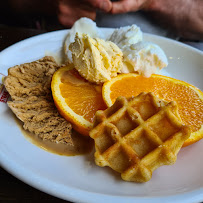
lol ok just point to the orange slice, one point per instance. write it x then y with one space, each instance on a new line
188 97
76 99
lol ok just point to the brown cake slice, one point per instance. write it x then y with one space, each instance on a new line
29 86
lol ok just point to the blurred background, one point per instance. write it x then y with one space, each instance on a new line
174 19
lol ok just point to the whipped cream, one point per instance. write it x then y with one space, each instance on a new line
143 57
138 56
125 36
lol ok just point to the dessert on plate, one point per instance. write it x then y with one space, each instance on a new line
135 135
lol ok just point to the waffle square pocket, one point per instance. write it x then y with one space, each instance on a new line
135 136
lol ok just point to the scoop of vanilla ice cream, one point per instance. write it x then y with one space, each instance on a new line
95 59
144 57
125 36
83 25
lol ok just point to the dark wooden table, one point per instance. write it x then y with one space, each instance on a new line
12 189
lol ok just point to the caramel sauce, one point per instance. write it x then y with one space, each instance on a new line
81 144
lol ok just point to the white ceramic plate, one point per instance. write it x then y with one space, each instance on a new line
78 178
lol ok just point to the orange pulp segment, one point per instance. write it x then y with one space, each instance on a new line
189 98
76 99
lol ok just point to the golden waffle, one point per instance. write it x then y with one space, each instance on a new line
136 136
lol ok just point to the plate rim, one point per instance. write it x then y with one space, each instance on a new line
75 194
66 30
